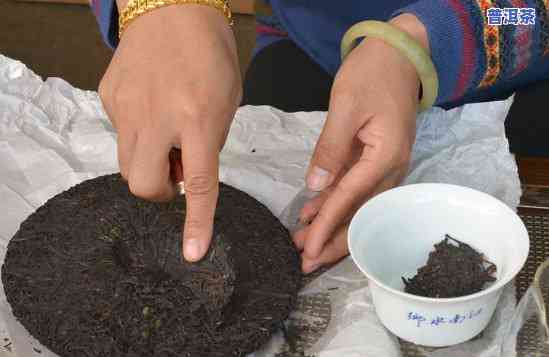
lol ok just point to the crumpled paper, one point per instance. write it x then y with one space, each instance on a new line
53 136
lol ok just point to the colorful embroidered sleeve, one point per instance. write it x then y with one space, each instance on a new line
106 13
483 46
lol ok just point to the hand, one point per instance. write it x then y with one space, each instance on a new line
365 145
174 81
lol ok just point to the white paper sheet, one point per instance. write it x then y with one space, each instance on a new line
53 136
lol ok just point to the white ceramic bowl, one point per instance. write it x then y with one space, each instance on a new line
392 235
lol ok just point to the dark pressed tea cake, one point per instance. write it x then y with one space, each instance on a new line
97 271
453 269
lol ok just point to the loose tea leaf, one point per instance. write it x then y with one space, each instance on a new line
453 269
97 272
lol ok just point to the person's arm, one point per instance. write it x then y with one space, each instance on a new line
475 59
174 81
366 143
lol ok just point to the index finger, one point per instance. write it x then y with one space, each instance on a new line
200 161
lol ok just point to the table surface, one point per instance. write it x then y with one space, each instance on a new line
534 211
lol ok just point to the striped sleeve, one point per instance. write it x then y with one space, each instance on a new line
106 14
472 51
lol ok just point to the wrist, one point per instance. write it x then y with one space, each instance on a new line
121 4
407 38
415 28
142 8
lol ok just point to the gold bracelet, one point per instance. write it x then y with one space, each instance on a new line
136 8
407 45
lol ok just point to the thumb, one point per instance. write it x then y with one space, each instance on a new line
333 149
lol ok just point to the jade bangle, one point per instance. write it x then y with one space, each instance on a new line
405 44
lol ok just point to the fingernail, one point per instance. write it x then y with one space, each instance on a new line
318 179
311 268
191 250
